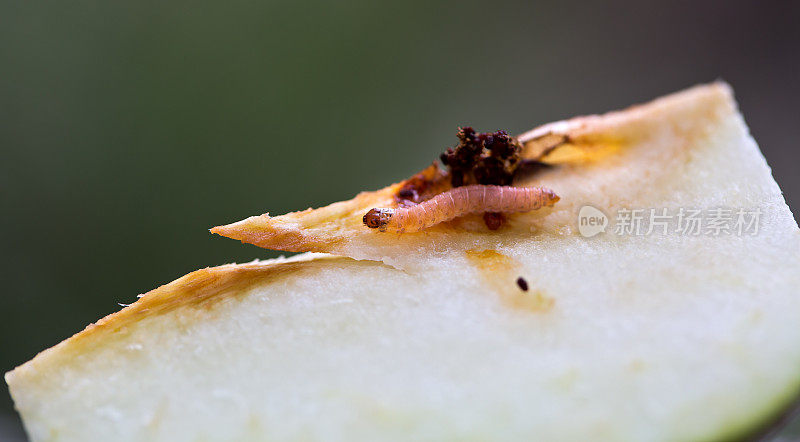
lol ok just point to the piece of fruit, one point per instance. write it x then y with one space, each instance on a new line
531 331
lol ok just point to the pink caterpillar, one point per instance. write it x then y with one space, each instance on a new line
457 202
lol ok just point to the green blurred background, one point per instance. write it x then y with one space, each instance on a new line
128 129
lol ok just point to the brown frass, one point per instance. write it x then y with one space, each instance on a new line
482 158
493 220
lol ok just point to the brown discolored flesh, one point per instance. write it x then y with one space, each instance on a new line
423 186
497 271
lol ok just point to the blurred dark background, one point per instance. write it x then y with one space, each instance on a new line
127 129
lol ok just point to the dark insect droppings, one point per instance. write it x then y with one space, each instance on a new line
493 220
522 283
482 158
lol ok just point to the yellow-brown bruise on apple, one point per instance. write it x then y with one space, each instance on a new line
500 272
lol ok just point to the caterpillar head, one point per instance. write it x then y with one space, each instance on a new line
377 218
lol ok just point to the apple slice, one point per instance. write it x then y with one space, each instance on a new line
532 331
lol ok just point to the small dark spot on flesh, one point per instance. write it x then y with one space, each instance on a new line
522 283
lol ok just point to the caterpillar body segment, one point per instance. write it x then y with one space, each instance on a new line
458 202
